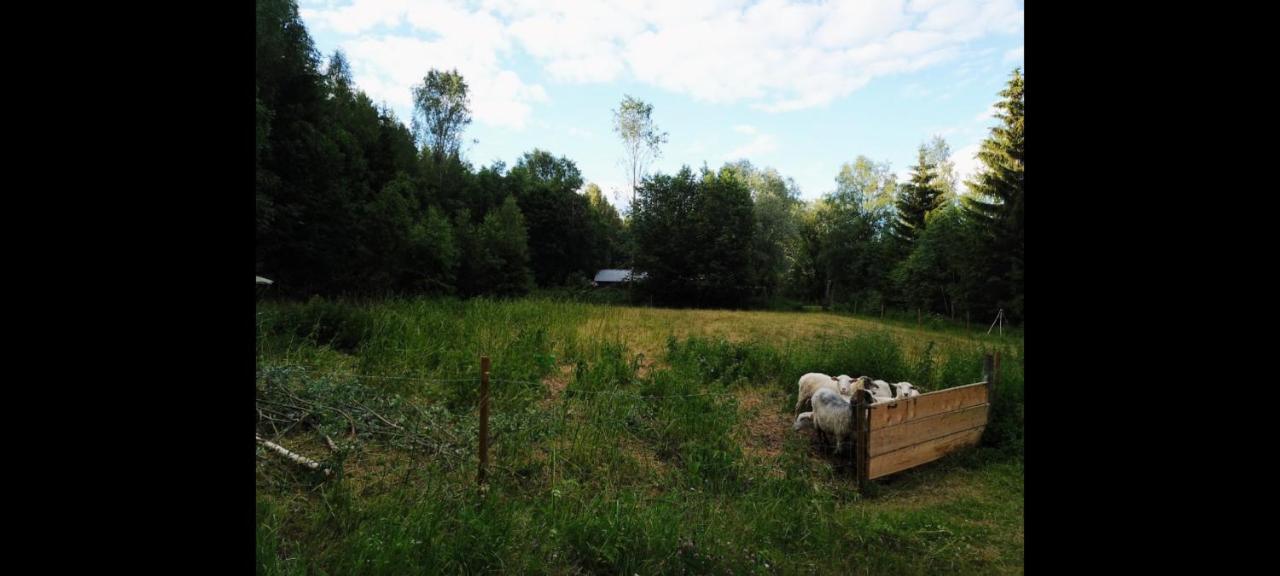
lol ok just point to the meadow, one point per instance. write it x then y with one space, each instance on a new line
625 440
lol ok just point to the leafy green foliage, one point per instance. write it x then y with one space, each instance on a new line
503 258
694 238
352 202
641 138
442 110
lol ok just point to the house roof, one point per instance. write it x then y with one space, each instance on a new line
616 276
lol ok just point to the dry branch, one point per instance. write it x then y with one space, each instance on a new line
293 456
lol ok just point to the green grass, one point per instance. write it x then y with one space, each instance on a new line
626 441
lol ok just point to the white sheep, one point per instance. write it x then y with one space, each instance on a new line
830 416
879 390
809 384
804 421
905 390
846 385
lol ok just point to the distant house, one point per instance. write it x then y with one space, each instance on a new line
615 277
263 285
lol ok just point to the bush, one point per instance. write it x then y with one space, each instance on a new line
338 325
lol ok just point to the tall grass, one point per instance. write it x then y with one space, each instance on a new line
608 460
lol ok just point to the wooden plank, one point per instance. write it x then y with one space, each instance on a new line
913 456
920 430
926 405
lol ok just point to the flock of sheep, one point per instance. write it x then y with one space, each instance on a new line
827 400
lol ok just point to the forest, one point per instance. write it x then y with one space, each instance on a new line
352 202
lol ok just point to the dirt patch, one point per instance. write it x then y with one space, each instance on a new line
644 454
765 428
556 383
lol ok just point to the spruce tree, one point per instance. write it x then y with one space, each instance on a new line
995 201
916 199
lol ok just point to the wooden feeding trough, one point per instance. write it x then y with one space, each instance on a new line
894 436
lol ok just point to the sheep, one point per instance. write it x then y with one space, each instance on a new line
878 389
846 385
831 415
905 390
804 421
811 383
881 391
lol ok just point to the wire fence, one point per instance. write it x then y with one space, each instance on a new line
475 379
291 425
348 417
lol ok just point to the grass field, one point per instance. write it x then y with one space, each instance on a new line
626 441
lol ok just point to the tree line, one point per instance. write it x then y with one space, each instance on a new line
350 201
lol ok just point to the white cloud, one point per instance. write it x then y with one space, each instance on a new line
579 133
387 67
987 114
576 42
452 35
915 91
853 22
1014 55
695 149
967 163
745 129
357 17
776 55
760 145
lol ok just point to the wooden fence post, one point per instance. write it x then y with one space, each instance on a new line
484 419
861 426
995 376
853 418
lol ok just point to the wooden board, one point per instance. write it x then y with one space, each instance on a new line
918 454
920 430
926 405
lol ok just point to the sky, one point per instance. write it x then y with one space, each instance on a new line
800 86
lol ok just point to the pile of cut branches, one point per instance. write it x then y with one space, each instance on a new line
347 414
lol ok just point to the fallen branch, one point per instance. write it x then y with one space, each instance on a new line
295 457
351 421
392 424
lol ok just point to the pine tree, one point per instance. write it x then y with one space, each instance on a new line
916 199
996 201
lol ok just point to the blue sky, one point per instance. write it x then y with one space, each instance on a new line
801 86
